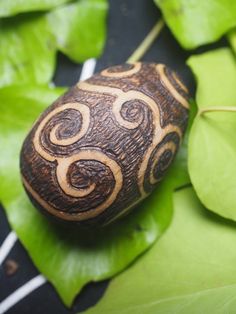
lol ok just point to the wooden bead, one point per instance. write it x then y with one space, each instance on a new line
103 146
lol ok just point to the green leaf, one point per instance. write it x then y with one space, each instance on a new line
215 72
12 7
70 258
82 35
198 22
28 51
181 175
212 142
29 42
189 270
232 39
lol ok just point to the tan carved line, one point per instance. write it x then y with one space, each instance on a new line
159 132
158 137
121 98
84 111
179 82
64 164
152 181
136 68
89 155
164 79
167 146
62 178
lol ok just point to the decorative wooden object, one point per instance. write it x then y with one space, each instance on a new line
103 146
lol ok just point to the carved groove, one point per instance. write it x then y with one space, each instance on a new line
106 144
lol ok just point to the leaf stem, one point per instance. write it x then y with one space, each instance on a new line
217 109
147 42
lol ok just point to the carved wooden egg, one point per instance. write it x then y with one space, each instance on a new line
102 147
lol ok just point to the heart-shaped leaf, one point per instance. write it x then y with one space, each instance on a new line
198 22
12 7
28 50
80 28
212 141
232 39
71 258
189 270
29 42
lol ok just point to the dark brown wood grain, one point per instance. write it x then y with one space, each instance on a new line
104 145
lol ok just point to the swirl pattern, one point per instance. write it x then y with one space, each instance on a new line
162 160
63 164
102 148
159 133
54 124
118 71
69 189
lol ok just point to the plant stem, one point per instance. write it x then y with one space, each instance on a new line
146 43
216 109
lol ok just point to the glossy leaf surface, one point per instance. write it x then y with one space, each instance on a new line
198 22
189 270
212 141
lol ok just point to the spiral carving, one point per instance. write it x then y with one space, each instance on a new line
104 145
167 84
161 161
120 72
51 128
50 123
131 96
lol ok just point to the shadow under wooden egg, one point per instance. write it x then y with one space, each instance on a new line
97 237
